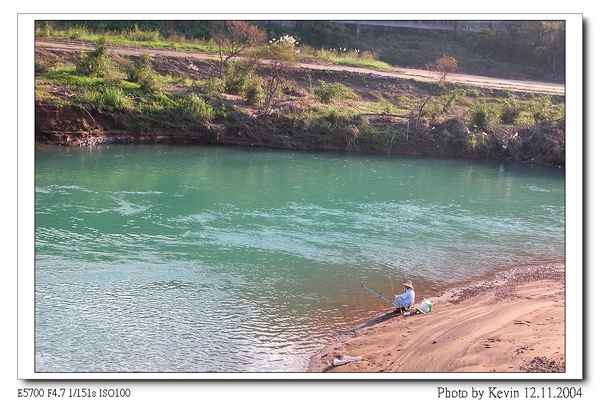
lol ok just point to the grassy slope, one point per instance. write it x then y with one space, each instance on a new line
366 114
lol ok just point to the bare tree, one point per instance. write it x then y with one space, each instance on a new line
444 66
234 38
282 55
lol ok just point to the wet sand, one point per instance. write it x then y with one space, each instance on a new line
512 323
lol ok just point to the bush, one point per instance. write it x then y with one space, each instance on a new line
46 63
236 78
254 93
328 93
511 111
142 72
337 118
196 108
95 63
334 117
138 35
447 104
150 82
77 33
543 109
212 86
444 66
326 34
140 65
479 141
482 115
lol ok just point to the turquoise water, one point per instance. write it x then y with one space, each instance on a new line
195 259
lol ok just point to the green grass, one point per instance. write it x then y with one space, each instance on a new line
361 63
110 98
66 76
139 39
351 58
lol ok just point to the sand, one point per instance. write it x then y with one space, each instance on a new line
513 323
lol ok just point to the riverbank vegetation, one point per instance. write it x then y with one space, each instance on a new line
253 92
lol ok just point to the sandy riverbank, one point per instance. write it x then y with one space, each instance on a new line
514 323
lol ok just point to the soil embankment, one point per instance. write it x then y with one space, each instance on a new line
298 121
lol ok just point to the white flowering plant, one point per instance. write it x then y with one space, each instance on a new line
283 49
288 40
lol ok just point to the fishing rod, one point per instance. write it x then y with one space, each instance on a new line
377 294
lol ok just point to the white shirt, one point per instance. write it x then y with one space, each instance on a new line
405 299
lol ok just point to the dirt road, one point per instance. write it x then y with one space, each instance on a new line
403 73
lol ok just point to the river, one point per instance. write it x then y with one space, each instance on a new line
155 258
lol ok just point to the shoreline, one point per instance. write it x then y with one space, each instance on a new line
514 322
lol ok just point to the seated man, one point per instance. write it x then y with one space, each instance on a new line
403 301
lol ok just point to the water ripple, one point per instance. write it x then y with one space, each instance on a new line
225 261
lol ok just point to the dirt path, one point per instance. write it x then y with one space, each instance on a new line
403 73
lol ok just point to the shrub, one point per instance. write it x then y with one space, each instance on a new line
254 93
46 63
138 35
236 77
141 64
196 108
328 93
325 34
77 33
95 63
212 86
479 141
338 117
543 109
447 104
511 109
482 115
334 117
142 72
150 82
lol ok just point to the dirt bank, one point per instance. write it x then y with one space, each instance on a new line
365 123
